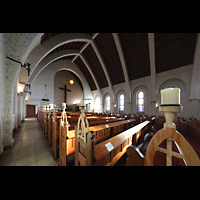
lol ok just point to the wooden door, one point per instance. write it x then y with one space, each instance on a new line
30 110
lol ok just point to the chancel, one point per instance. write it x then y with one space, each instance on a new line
65 92
132 99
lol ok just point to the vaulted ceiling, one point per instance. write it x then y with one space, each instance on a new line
100 59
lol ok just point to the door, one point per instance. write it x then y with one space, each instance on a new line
30 110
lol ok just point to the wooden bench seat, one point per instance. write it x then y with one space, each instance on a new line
120 143
101 132
190 133
98 155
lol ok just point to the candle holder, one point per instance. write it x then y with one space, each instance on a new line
63 115
170 110
82 123
170 105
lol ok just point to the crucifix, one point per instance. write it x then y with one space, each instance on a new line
65 90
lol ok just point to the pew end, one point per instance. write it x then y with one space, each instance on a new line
135 157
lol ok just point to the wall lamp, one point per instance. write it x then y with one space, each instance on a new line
26 66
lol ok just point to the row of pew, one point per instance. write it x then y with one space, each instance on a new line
115 130
189 129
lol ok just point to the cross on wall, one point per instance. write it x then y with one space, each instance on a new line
65 90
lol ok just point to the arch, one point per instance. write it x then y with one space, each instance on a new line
120 92
140 98
53 68
61 78
173 82
55 56
185 98
147 99
97 103
123 63
39 53
49 59
104 100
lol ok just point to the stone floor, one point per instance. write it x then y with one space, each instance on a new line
30 148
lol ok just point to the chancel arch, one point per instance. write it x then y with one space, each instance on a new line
42 50
46 77
53 57
74 92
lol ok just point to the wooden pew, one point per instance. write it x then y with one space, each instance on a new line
159 122
49 128
55 136
195 123
101 132
45 123
187 137
89 154
66 144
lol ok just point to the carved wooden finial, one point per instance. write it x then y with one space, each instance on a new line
82 123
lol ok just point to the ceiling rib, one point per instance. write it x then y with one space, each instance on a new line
99 56
123 63
89 69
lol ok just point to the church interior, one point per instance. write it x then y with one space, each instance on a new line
99 99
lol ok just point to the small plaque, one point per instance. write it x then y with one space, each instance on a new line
109 146
107 126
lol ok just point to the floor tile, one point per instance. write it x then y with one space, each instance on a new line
26 161
46 162
43 155
30 149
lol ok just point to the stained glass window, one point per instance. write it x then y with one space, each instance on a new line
140 101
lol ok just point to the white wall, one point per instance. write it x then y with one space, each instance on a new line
62 78
179 77
46 77
2 90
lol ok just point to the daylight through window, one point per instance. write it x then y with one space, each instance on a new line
121 102
140 101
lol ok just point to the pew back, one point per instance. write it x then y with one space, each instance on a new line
101 155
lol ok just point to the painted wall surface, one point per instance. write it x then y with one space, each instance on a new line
180 77
46 77
62 78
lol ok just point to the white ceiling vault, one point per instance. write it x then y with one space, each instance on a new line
107 59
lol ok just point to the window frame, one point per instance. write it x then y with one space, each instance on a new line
137 101
119 102
107 103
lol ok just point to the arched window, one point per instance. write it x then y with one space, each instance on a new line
121 102
140 101
108 103
97 104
